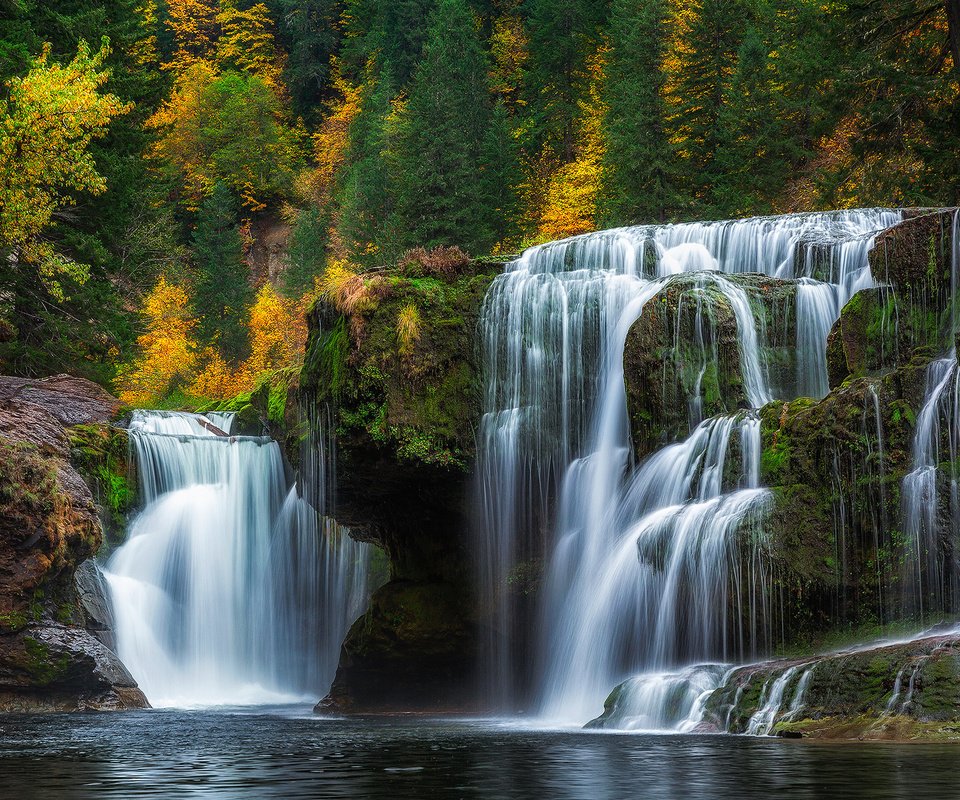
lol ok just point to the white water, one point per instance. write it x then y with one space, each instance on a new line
931 581
656 566
230 589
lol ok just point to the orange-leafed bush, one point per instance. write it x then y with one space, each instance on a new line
346 289
441 262
218 379
168 354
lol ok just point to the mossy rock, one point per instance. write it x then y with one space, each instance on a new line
686 344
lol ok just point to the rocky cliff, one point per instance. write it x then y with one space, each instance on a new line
54 622
397 379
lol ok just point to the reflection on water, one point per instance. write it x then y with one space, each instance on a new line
288 753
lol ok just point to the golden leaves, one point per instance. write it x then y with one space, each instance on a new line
47 123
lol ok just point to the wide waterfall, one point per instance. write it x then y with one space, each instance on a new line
230 588
660 564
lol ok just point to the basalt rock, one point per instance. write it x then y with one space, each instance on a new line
908 690
910 313
686 344
404 408
49 526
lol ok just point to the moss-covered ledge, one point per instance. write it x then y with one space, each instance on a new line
392 365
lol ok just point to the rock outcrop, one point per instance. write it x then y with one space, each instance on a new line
405 406
686 344
49 526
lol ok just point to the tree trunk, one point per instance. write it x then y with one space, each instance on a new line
953 23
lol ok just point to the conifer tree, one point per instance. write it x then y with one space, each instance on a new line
364 196
222 292
711 37
309 30
562 35
639 165
443 138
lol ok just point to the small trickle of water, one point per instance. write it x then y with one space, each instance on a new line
771 700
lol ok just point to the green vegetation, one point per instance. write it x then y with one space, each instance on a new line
233 145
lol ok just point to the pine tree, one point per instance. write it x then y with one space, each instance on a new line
309 31
710 36
756 148
363 196
222 292
563 33
442 190
640 183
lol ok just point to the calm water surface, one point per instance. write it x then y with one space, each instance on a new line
290 753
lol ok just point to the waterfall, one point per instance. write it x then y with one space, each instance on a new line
931 578
644 566
230 588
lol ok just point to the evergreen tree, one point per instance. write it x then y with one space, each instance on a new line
501 166
222 291
307 252
443 137
364 195
639 165
562 34
712 38
310 33
755 156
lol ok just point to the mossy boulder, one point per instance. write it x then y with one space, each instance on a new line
397 378
835 468
888 691
686 344
413 649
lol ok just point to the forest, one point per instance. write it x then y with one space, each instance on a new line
181 179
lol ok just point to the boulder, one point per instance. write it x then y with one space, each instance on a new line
52 606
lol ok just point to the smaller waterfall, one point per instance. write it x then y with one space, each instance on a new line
664 701
230 588
931 579
771 701
674 580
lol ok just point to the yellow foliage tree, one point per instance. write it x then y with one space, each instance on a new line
180 122
47 123
332 141
168 353
194 26
247 43
278 333
570 206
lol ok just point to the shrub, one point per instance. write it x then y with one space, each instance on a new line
441 262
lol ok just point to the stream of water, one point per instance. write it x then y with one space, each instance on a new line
230 588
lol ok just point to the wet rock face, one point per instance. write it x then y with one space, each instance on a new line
53 667
49 526
910 313
904 690
909 690
405 414
415 649
686 344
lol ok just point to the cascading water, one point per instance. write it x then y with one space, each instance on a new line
931 579
230 588
645 566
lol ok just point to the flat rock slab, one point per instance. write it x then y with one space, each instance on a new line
73 401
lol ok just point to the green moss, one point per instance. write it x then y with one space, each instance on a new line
421 404
13 621
42 667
